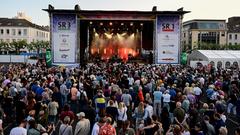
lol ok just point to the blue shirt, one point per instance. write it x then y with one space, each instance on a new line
157 95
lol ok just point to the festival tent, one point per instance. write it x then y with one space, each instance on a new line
217 58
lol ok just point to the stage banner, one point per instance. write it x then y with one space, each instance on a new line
64 38
49 58
167 47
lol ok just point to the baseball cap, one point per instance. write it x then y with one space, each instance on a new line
81 114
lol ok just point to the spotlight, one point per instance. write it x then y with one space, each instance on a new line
131 24
141 24
110 23
90 23
96 34
101 23
122 23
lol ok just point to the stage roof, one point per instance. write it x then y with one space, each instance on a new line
91 13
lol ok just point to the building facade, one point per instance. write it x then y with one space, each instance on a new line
15 29
233 31
197 32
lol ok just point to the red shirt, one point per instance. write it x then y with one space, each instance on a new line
107 129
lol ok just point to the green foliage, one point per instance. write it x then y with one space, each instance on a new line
207 46
16 46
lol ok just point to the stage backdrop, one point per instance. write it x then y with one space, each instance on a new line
167 47
64 38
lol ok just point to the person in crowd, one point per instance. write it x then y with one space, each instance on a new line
67 112
208 128
223 131
174 130
126 130
157 102
65 127
97 126
21 129
166 99
122 114
148 111
138 115
179 114
112 111
52 110
83 126
107 128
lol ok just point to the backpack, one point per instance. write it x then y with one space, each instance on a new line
82 96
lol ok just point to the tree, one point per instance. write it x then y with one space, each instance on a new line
17 46
38 45
5 47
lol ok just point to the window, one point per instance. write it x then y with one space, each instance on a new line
212 63
235 36
230 36
7 31
230 43
14 40
13 32
37 33
227 64
2 31
19 32
235 43
223 34
219 64
25 32
184 34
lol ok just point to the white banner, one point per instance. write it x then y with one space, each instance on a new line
64 38
167 40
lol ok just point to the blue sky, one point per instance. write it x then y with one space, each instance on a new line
201 9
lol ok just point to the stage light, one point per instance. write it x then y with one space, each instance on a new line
123 34
110 23
109 36
90 23
96 34
131 24
122 23
101 23
132 36
94 30
141 24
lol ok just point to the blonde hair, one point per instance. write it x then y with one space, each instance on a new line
121 105
148 96
141 107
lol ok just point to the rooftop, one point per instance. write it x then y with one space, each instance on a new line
9 22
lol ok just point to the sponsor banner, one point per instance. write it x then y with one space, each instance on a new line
167 40
64 38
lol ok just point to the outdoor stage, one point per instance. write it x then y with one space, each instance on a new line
81 36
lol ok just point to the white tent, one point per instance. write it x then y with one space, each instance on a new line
217 58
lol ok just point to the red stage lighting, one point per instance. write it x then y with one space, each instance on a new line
110 23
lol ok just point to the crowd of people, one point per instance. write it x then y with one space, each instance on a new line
118 99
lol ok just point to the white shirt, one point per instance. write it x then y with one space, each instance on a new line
131 81
166 98
197 91
148 112
95 129
122 114
201 80
18 131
